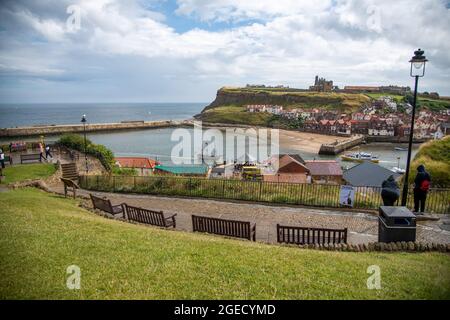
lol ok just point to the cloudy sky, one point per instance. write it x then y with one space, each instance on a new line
184 50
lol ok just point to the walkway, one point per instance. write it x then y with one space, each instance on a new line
363 227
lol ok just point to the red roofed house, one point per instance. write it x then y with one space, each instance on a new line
144 165
325 171
289 168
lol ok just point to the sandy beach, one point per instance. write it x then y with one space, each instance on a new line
305 141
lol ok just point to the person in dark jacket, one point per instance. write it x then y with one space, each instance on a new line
421 187
390 191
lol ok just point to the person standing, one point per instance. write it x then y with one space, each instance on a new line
390 191
422 184
47 152
2 158
41 152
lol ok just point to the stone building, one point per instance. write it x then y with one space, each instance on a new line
322 85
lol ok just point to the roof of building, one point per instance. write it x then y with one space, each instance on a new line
199 169
135 162
289 163
324 167
367 174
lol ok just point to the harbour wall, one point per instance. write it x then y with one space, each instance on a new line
338 147
77 128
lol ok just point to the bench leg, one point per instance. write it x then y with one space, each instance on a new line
65 191
74 193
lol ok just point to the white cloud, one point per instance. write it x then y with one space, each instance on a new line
351 42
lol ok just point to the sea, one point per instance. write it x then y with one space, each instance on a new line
154 143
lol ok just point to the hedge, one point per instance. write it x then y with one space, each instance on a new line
76 142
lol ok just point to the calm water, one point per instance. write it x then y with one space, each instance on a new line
154 143
12 115
157 144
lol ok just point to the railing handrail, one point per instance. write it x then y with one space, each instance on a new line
316 195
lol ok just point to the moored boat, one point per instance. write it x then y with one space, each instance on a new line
398 170
360 157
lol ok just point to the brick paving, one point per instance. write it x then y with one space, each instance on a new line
362 227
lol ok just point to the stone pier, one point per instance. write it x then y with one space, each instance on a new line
338 147
75 128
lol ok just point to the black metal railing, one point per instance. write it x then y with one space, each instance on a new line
317 195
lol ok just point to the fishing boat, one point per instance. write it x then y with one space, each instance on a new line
400 149
398 170
360 157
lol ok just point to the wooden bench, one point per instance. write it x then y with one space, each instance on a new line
105 205
146 216
231 228
30 157
9 159
305 235
70 178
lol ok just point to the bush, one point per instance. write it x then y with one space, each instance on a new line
124 171
76 142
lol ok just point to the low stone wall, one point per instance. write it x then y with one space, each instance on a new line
379 246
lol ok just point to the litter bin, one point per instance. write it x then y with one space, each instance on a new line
396 224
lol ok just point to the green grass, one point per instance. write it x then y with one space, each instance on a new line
429 103
233 114
17 173
435 155
396 97
43 234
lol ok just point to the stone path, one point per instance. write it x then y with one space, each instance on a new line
363 227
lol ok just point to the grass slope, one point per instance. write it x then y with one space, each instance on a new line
22 172
435 155
235 115
229 104
43 234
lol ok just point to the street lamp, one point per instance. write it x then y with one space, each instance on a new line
417 71
83 121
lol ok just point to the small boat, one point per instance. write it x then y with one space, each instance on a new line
400 149
360 157
398 170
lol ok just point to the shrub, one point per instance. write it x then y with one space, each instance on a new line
76 142
124 171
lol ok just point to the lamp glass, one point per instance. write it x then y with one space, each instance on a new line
417 68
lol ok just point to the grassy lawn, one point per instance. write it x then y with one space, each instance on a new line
43 234
22 172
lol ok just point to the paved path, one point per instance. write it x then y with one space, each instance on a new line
363 227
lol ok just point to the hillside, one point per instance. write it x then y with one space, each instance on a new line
228 107
435 155
43 234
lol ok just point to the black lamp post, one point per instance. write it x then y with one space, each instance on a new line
417 71
83 120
